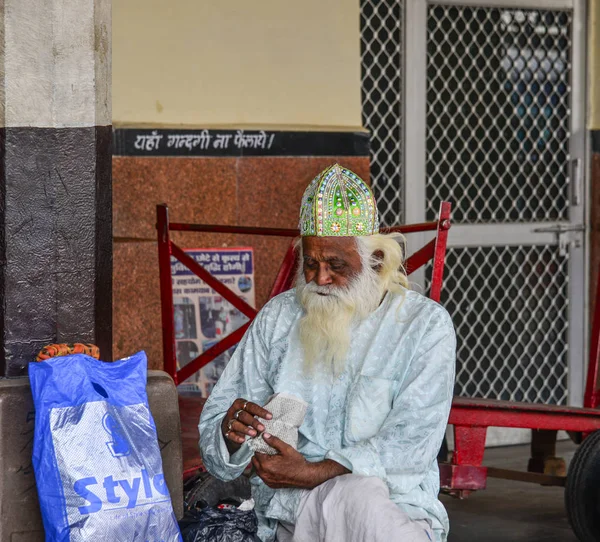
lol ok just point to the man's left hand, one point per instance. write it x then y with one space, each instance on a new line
289 469
286 469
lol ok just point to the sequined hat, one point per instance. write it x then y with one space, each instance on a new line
338 203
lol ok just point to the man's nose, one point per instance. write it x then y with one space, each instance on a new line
323 276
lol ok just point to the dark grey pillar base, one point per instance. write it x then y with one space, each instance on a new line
55 241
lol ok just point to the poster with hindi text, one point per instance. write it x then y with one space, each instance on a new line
201 316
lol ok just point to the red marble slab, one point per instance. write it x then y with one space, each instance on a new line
252 191
196 190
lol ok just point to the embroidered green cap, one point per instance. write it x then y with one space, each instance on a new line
338 203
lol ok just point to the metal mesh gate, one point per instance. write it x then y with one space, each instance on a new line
498 113
498 127
381 59
507 304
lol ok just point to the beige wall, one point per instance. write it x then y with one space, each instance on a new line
236 62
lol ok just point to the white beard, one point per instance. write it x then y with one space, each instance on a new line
326 328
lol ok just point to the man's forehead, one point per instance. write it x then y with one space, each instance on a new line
329 247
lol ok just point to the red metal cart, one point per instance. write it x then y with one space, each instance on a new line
435 251
464 473
191 404
471 418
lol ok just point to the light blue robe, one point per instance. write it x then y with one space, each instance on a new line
384 416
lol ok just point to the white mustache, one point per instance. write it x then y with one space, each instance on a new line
313 288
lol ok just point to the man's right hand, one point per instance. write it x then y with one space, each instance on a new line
240 421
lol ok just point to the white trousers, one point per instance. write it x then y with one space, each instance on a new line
352 508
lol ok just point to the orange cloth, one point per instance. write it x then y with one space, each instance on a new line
63 349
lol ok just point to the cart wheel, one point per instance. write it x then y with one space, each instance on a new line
582 490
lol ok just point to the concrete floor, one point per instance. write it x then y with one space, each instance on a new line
511 511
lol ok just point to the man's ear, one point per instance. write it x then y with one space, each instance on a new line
378 256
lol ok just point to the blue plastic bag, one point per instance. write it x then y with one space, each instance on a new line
95 455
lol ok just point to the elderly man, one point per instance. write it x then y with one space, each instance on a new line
373 361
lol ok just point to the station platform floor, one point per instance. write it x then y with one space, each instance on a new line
510 511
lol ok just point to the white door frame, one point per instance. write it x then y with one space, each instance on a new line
415 93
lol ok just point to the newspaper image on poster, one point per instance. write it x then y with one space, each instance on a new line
201 316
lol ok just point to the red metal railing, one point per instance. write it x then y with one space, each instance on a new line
592 388
471 418
434 250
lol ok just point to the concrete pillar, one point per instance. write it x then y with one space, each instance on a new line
55 177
